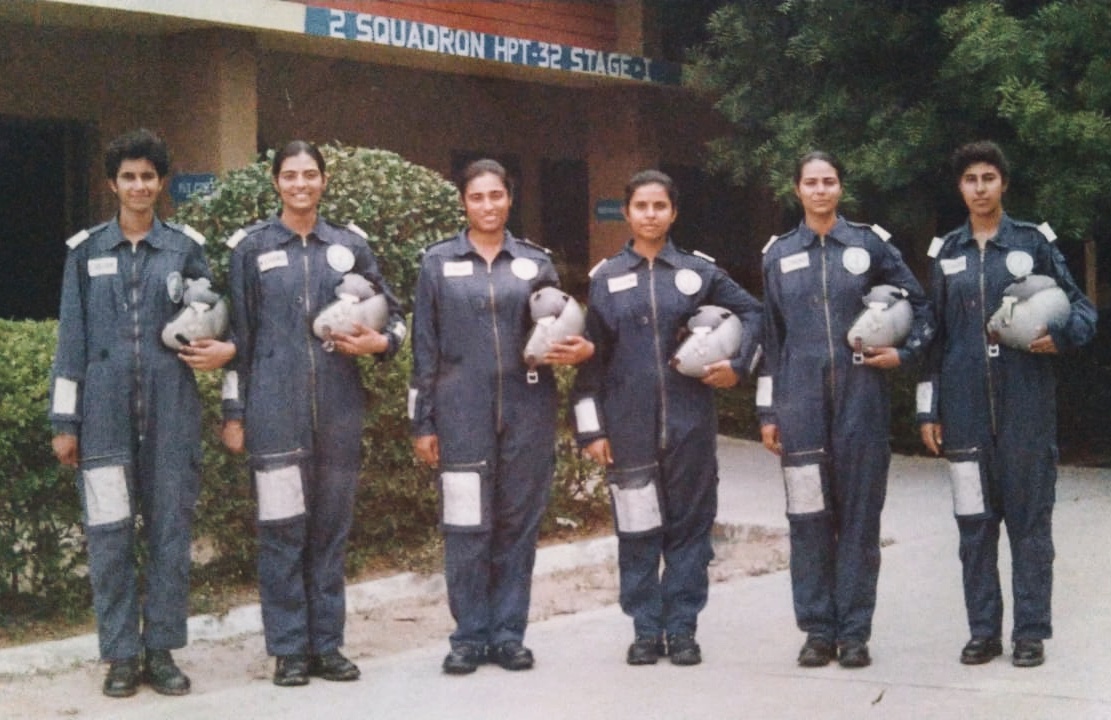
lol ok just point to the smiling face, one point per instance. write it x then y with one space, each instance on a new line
819 189
486 200
300 183
982 187
650 213
137 185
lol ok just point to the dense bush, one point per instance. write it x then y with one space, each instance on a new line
40 537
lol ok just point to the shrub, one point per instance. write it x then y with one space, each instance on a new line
41 556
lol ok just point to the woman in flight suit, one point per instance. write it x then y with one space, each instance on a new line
298 408
484 419
653 428
827 416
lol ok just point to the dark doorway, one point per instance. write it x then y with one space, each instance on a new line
43 200
565 218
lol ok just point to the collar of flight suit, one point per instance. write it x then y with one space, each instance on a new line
1002 237
841 232
668 254
321 231
112 236
461 246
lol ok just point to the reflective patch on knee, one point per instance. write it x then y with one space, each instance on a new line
804 489
462 493
636 500
107 499
968 490
586 416
281 493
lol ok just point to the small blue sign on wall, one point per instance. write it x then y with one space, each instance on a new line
609 210
184 186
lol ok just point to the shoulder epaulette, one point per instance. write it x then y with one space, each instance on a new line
704 256
594 269
357 230
1047 232
935 247
539 247
189 232
238 235
768 244
83 235
878 229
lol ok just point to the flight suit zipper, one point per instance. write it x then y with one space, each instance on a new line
308 331
987 347
497 344
137 380
829 322
660 377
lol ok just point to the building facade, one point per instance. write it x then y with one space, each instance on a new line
569 95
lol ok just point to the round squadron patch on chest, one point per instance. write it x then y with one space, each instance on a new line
1020 263
524 268
856 260
175 287
688 281
340 258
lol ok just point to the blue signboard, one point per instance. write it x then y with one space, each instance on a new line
609 210
414 35
184 186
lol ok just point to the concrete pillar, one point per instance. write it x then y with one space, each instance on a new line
211 110
622 140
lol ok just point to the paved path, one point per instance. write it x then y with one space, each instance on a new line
749 640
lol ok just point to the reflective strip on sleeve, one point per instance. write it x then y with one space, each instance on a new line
804 489
106 495
924 397
764 391
280 493
968 493
412 403
65 397
586 416
230 389
462 499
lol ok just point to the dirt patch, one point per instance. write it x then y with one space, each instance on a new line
385 630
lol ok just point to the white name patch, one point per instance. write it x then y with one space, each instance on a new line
272 259
102 266
622 282
459 268
798 261
952 266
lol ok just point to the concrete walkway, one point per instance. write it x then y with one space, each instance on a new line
749 640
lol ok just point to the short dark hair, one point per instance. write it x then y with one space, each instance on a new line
483 166
650 177
981 151
139 144
293 149
824 157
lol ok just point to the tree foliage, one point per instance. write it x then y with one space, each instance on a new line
894 87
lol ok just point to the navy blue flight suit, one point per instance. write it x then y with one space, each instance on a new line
661 425
134 407
833 416
495 422
303 410
999 419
